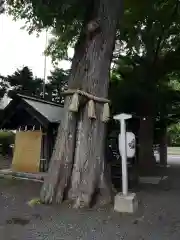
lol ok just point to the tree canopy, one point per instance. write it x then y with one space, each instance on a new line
149 30
64 18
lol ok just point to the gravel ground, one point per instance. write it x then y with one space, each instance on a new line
158 216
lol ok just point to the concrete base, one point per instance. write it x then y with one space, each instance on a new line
126 204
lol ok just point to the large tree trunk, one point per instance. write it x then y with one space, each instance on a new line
78 169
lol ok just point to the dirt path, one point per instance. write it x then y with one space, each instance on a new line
158 216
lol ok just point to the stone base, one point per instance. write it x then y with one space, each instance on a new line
125 204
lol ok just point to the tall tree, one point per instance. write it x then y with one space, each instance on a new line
23 82
77 166
57 83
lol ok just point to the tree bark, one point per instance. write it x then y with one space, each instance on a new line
163 147
146 159
78 167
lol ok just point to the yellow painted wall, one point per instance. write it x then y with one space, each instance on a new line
27 151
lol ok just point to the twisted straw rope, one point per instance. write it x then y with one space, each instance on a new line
88 95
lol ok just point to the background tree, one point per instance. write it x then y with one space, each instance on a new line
172 113
174 135
57 83
149 39
126 96
23 82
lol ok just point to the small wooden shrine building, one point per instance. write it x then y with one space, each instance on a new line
36 122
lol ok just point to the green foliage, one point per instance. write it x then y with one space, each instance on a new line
128 95
174 135
7 136
23 82
57 82
148 30
64 18
147 60
168 101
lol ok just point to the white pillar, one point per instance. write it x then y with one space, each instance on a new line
122 148
124 202
124 157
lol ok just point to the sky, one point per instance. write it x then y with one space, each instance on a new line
19 49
